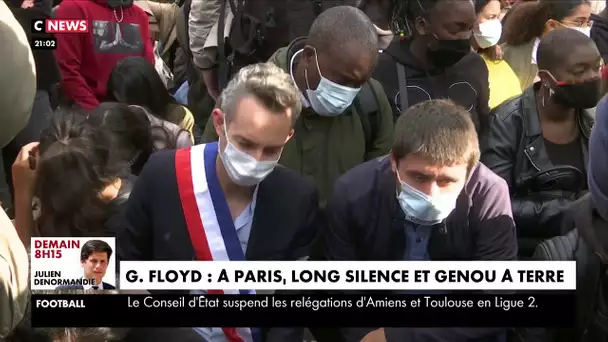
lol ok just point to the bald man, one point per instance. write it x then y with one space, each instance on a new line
346 118
16 99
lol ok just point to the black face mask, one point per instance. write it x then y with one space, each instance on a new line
578 95
449 52
120 3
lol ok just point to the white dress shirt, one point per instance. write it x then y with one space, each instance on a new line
90 287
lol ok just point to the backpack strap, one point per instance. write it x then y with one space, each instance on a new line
181 25
560 248
367 107
404 105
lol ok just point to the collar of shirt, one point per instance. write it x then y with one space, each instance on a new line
305 102
90 287
535 50
246 217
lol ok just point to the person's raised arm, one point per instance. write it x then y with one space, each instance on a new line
24 180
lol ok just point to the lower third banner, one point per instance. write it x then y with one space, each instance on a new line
300 310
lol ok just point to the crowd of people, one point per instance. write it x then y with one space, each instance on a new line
358 130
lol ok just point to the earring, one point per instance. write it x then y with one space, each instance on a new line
543 101
550 94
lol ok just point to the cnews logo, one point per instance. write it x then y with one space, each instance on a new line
60 26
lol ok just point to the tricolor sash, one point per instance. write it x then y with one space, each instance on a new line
208 218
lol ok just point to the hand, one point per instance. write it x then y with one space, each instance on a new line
498 52
27 4
24 169
375 336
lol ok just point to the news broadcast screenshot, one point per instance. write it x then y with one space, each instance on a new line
316 294
303 171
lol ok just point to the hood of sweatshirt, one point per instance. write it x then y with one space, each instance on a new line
115 3
466 82
599 34
598 166
86 60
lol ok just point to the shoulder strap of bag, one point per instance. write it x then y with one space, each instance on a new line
182 27
367 108
404 105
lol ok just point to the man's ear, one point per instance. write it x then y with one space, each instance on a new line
308 58
219 120
545 79
393 161
290 135
551 25
421 26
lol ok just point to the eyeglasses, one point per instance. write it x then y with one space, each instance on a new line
578 24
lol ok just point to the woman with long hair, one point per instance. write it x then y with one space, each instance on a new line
529 21
137 132
77 176
134 81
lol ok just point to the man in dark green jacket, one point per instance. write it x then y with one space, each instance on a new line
346 117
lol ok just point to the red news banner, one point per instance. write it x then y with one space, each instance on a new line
44 29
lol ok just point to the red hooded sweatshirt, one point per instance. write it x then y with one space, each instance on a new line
86 60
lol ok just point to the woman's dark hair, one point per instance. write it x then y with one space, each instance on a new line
526 20
134 81
135 137
76 164
480 4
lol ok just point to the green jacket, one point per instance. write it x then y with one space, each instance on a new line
324 148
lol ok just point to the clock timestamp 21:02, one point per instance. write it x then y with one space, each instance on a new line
46 43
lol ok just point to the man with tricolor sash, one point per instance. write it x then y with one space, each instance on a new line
228 200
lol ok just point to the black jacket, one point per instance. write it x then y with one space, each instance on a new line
587 244
513 147
117 208
599 34
366 223
156 228
284 222
466 83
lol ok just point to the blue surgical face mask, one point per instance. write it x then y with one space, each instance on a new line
421 209
330 98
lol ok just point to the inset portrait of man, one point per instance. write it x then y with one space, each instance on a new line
94 257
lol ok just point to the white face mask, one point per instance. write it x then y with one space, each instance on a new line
489 33
584 30
242 168
329 99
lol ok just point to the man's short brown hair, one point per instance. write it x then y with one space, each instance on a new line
438 130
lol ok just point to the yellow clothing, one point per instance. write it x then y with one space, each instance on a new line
504 84
182 117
